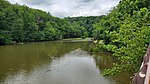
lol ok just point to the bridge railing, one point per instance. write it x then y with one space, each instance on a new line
147 78
143 75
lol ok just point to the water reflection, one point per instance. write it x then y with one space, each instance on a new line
57 62
105 60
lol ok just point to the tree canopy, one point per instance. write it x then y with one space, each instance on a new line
85 22
125 31
24 24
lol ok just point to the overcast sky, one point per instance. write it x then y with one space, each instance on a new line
73 8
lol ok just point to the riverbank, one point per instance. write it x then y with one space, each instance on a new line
68 39
77 39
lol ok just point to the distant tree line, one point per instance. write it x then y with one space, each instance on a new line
24 24
85 23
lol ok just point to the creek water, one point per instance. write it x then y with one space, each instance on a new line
56 62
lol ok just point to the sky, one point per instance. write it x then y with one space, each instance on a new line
72 8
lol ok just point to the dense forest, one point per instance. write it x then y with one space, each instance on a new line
24 24
86 22
21 23
125 31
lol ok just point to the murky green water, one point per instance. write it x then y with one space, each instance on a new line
57 62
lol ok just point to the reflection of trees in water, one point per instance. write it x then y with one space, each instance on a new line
28 56
105 60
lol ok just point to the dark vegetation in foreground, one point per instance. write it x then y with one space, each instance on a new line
125 31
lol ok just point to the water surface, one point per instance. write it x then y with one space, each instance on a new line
56 62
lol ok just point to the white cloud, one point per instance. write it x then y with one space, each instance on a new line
64 8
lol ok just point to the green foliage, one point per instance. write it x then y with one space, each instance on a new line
117 68
85 22
24 24
5 37
126 32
